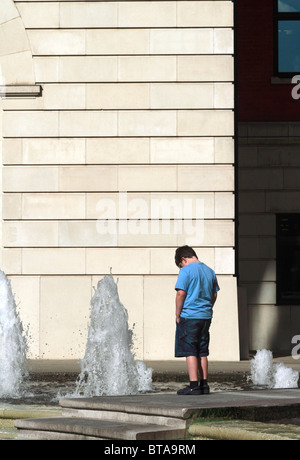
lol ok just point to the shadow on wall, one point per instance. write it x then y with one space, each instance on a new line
268 185
270 326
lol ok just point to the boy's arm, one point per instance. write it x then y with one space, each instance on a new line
180 298
215 295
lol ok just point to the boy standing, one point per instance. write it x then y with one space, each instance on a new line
197 288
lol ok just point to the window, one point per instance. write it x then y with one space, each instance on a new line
287 37
288 259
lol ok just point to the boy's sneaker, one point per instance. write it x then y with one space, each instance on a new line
189 391
204 389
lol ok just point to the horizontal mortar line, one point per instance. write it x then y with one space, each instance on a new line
117 192
177 55
89 273
181 136
117 219
113 165
116 28
120 27
107 1
134 82
110 247
80 165
90 110
120 246
221 136
130 55
102 274
146 109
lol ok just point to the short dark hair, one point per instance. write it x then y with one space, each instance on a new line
184 251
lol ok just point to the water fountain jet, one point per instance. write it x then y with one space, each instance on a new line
108 366
265 373
13 344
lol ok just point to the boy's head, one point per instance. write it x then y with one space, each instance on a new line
184 251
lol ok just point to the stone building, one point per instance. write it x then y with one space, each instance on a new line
117 127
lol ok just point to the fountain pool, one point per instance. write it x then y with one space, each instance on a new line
108 366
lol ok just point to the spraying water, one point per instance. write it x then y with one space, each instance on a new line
265 373
13 346
108 367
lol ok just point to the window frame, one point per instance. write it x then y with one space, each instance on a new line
279 269
281 16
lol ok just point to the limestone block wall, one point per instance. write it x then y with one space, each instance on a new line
16 66
128 153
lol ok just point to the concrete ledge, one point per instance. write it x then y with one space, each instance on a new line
100 429
20 91
167 367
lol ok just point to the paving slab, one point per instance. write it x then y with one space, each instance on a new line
104 429
159 416
255 404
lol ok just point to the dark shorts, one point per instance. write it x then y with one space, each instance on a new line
192 338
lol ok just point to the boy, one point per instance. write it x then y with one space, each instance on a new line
196 294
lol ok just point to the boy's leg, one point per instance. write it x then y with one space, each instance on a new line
203 368
193 387
203 373
192 365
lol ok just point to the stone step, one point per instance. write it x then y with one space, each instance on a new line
125 417
160 416
76 428
111 409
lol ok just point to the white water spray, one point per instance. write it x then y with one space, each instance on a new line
108 367
13 346
265 373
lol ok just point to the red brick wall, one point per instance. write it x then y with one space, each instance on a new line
258 98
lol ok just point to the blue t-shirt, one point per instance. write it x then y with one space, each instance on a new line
200 283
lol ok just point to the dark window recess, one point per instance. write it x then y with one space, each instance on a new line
287 37
288 259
